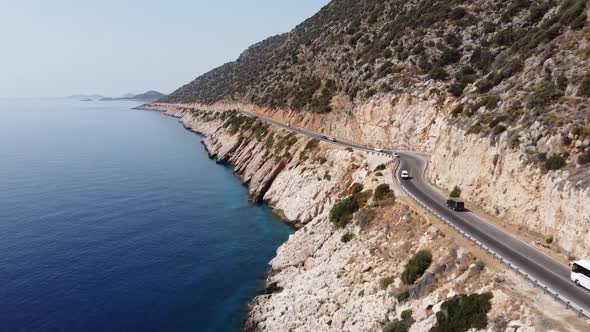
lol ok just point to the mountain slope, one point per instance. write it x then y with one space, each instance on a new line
497 92
352 50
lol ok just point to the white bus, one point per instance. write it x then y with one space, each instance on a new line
581 273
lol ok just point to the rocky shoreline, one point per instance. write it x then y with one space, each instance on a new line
327 278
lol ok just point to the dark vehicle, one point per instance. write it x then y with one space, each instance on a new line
456 204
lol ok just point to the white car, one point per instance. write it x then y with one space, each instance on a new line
405 174
331 139
378 150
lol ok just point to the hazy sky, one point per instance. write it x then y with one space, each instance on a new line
61 47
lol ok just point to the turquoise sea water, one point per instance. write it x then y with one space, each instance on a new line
113 219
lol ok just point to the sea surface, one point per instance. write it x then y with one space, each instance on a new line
114 219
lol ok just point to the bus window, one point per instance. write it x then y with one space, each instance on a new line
579 269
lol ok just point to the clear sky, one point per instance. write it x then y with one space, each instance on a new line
63 47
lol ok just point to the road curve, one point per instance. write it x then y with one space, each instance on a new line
529 260
525 257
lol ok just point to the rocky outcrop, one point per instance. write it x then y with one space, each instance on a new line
504 181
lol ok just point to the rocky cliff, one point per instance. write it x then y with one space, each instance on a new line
496 91
353 276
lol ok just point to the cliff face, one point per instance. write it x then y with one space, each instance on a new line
351 278
501 180
496 91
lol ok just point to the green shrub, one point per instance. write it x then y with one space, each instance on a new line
347 237
555 162
456 89
482 59
463 312
402 325
456 192
380 167
356 188
378 174
382 192
497 120
449 56
475 129
458 13
499 129
489 82
403 296
438 74
311 145
383 283
549 239
416 267
341 213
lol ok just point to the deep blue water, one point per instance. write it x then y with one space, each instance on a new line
113 219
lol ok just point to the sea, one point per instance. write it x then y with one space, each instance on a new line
114 219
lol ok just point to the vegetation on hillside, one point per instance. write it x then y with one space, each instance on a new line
506 64
416 267
463 313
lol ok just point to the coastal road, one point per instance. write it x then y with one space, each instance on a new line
528 259
537 266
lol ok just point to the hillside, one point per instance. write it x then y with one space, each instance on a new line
506 63
496 92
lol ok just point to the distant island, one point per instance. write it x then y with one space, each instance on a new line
86 96
148 96
145 97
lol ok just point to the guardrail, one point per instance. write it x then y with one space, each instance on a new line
536 283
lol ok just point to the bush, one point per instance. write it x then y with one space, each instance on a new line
402 325
403 296
416 267
347 237
378 174
482 59
463 312
456 89
449 56
456 192
382 192
555 162
356 188
499 129
380 167
438 74
458 13
312 145
549 239
341 213
383 283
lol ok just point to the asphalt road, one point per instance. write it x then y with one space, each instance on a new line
538 266
527 258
